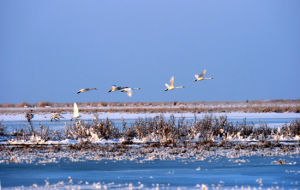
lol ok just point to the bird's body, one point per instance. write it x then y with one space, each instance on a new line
29 116
116 88
76 112
171 85
128 91
201 76
56 117
85 90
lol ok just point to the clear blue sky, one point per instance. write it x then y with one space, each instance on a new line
50 49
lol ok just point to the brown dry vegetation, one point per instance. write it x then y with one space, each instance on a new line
209 131
279 106
23 104
44 104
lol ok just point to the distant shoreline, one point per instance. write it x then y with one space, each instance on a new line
258 106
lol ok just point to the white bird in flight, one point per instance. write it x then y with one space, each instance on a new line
85 90
128 91
116 88
76 112
171 85
201 76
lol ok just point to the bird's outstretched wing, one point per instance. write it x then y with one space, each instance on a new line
196 76
172 81
167 85
203 73
128 91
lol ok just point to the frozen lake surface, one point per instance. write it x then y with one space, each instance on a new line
18 121
185 173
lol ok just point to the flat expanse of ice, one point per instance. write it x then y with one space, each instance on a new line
214 173
104 115
18 121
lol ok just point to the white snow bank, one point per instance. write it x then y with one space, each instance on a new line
102 115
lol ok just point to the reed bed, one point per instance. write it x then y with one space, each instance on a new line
164 131
149 139
172 130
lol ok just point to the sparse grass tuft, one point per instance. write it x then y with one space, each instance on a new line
99 129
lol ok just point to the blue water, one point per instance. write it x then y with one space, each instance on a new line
173 173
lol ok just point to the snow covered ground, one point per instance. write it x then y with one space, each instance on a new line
104 115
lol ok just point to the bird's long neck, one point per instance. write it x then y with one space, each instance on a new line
209 78
179 87
93 88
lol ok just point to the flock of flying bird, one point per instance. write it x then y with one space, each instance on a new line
126 89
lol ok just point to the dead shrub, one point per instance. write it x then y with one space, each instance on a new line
23 104
44 104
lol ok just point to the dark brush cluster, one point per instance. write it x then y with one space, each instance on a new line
160 129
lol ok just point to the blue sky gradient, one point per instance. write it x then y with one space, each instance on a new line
51 49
